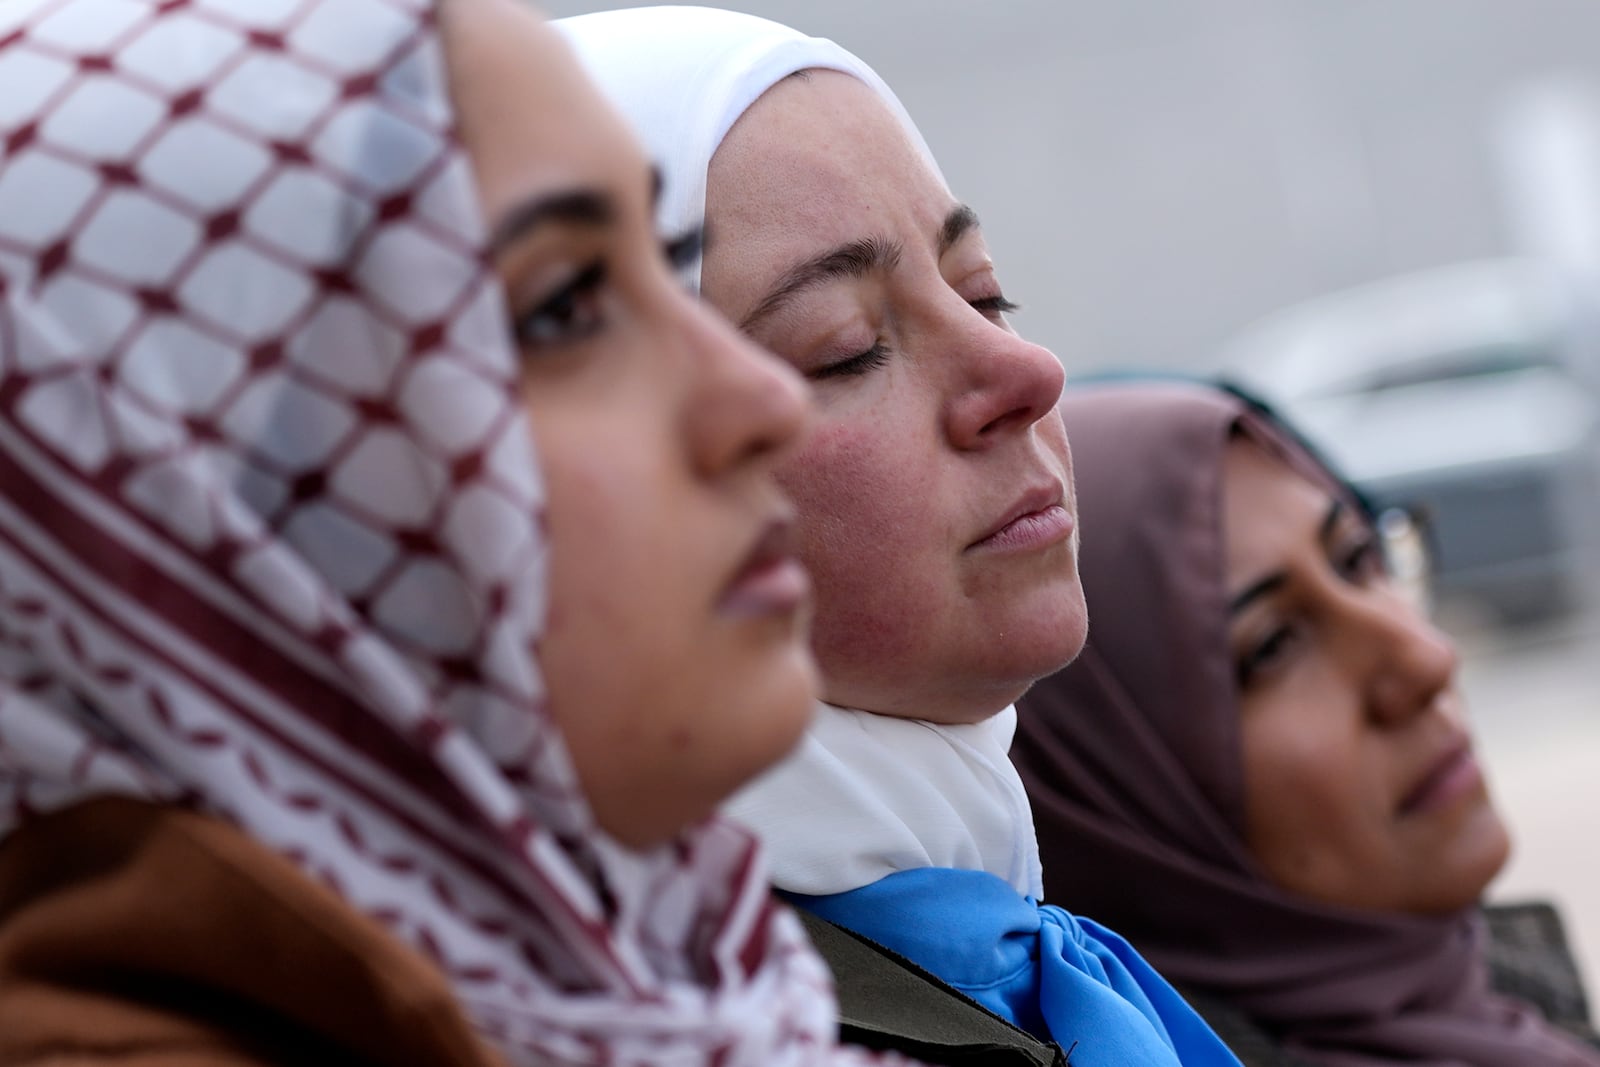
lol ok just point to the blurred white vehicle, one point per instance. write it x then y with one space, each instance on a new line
1467 392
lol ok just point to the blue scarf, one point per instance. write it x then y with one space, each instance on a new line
1057 976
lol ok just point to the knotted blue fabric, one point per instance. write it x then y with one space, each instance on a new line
1055 975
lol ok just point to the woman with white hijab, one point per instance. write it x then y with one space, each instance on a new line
334 728
936 514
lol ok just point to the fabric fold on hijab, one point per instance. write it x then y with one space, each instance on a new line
270 523
683 75
1131 756
865 796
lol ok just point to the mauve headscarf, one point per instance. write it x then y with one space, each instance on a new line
1131 756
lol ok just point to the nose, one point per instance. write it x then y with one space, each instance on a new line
1413 661
745 403
1005 385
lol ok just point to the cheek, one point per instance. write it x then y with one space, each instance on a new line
871 527
1308 782
858 484
1284 770
629 667
591 595
615 618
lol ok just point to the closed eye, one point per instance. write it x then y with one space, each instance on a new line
994 305
861 363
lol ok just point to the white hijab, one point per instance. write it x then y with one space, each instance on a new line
865 795
683 76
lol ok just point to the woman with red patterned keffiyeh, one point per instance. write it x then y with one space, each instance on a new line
335 727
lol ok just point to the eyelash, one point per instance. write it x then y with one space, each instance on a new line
563 306
995 305
529 328
878 354
861 363
1359 564
1261 653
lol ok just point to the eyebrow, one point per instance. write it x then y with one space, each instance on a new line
574 207
1261 587
869 255
857 259
956 226
579 207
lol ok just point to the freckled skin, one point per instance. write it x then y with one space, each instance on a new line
908 463
868 624
1357 707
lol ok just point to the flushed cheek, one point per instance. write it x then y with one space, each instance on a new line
872 533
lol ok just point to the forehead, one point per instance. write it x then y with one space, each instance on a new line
820 159
529 117
1269 510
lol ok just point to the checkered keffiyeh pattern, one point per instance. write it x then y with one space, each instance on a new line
270 539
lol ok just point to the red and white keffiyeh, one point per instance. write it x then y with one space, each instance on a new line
269 521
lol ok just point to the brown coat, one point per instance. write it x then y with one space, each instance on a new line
138 935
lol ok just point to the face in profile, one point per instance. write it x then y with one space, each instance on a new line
1361 788
675 653
935 485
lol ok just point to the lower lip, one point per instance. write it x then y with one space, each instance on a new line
779 587
1461 778
1037 529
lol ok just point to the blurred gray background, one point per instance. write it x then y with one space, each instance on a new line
1153 174
1156 175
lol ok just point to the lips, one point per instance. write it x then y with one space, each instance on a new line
771 579
1452 774
1034 519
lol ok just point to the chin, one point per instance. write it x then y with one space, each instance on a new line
1044 636
1480 852
781 703
1494 852
1060 626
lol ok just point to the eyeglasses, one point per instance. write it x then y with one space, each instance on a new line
1405 535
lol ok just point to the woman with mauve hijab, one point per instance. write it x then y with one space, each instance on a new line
1259 768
